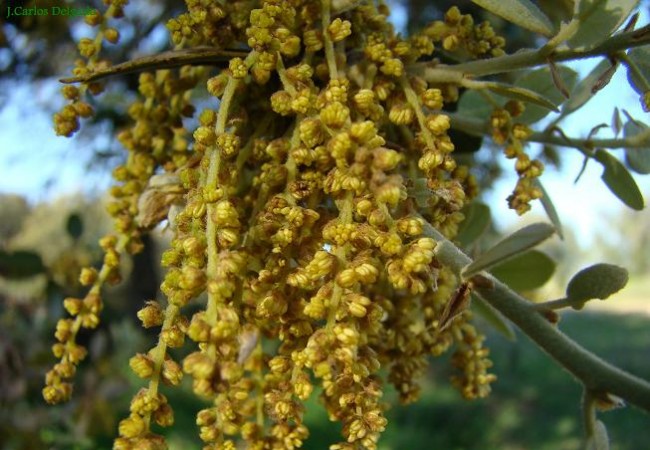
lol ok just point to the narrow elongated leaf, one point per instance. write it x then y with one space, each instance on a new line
477 220
598 19
583 92
541 81
549 207
521 93
557 80
637 159
605 78
619 180
520 12
513 245
598 281
533 87
617 123
525 272
640 56
493 317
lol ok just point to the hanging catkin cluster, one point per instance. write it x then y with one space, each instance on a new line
292 218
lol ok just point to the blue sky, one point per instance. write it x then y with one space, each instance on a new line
36 163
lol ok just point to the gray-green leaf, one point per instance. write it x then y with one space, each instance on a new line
640 56
493 317
477 220
583 92
521 93
598 19
473 104
598 281
619 181
525 272
513 245
535 87
549 207
541 82
520 12
637 159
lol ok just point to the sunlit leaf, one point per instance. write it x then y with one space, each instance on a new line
493 317
619 181
598 281
520 12
477 220
527 271
598 19
515 244
583 91
550 210
637 159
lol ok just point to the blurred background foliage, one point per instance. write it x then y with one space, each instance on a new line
43 246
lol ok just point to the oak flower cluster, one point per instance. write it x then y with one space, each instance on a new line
293 220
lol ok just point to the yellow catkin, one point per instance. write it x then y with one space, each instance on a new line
296 211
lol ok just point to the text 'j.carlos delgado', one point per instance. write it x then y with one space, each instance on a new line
49 11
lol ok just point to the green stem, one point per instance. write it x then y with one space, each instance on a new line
594 373
198 56
212 181
555 304
531 58
479 127
588 412
329 45
414 102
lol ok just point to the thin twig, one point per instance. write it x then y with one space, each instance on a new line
532 58
477 127
198 56
554 304
594 373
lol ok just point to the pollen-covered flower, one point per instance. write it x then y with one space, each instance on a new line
298 212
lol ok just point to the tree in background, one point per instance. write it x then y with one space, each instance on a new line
320 194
